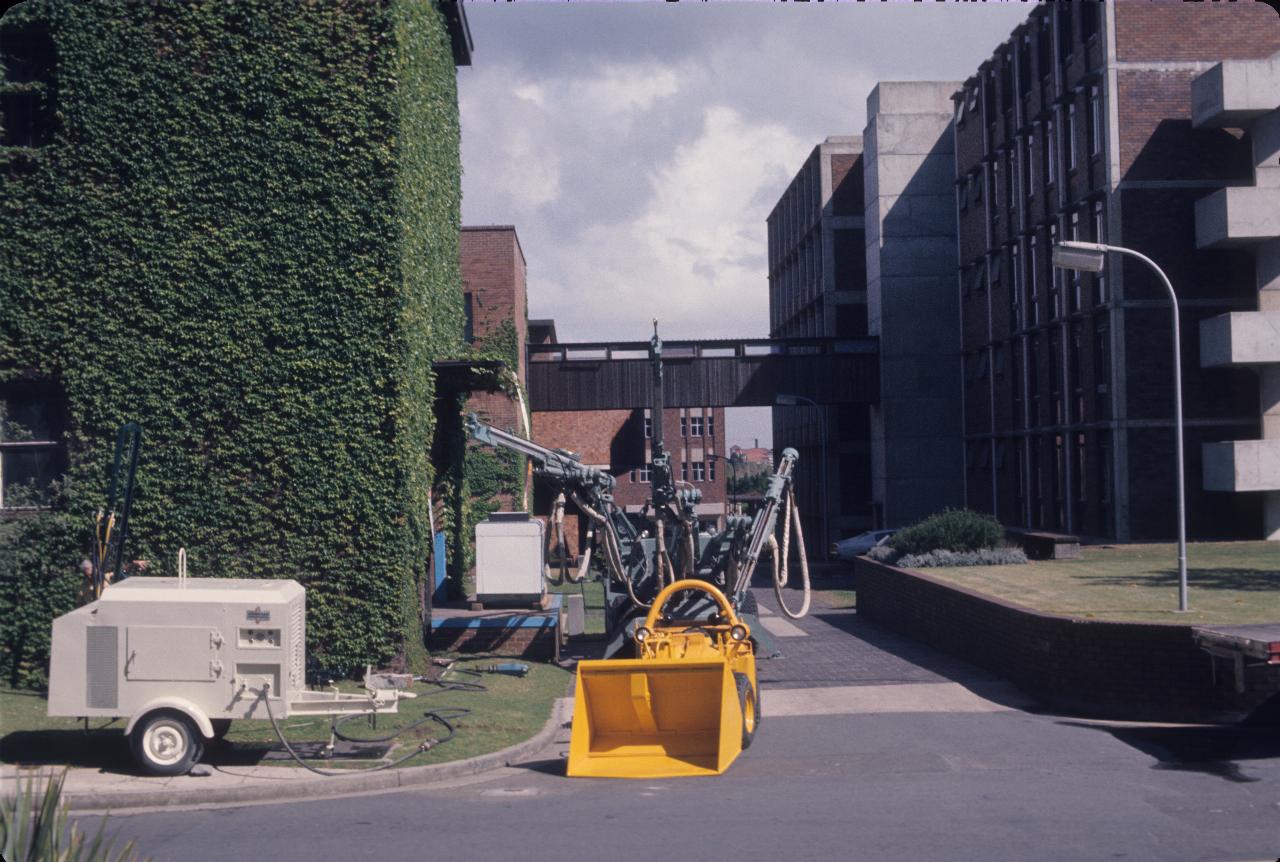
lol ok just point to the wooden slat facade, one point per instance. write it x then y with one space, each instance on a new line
703 373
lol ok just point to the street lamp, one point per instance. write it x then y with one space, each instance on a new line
796 401
1091 257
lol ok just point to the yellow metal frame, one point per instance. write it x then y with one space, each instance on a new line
676 709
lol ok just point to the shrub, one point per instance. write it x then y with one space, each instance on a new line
33 828
950 530
980 557
883 554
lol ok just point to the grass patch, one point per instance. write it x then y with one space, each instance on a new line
512 710
1228 583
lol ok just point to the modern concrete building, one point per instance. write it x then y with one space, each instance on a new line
1081 126
818 288
910 258
1245 95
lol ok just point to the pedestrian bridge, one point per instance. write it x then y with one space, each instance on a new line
717 373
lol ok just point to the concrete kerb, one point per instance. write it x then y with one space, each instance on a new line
163 795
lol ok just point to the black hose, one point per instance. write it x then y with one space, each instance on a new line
440 716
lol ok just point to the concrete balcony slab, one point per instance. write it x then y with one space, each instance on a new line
1240 338
1234 93
1238 216
1242 465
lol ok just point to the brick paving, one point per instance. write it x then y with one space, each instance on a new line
840 649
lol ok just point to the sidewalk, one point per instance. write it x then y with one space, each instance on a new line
93 790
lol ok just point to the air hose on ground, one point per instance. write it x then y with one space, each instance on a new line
442 716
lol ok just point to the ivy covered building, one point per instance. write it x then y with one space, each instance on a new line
237 225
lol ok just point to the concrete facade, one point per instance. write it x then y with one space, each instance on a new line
818 288
916 453
1246 94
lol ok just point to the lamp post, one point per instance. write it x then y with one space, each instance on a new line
1091 257
732 461
796 401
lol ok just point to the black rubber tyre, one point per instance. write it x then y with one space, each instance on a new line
166 742
750 706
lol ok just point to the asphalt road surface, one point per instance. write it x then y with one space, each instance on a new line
871 747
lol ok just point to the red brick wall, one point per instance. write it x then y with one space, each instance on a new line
1156 137
493 274
1176 30
616 438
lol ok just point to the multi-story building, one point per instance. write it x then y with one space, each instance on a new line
1080 127
818 288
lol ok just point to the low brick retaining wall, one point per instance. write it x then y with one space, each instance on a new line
1121 670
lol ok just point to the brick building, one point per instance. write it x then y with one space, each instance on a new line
818 288
1080 127
619 441
494 301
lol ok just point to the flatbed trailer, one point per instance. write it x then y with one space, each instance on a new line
1241 645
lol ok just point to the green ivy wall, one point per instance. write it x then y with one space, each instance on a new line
242 234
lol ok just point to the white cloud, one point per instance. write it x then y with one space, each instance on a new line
694 256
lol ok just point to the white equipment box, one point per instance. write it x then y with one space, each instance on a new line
509 548
207 649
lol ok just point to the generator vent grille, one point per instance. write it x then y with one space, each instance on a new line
102 667
297 645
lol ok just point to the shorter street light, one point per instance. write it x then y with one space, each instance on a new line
798 401
1092 257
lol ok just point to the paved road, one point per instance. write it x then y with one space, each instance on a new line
871 747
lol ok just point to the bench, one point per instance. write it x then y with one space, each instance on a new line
1049 546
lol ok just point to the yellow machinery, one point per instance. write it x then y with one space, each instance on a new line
687 706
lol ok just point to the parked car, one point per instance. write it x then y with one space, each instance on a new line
848 549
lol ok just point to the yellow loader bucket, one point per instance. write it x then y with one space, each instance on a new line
673 712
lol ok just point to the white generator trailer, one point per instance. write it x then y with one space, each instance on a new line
182 657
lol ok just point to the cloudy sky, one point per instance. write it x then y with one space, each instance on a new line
639 147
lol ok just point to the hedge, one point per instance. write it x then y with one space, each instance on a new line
242 233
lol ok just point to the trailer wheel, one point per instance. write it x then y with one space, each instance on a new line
750 708
166 742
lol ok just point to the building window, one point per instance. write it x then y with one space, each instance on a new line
1044 54
1099 232
698 471
648 426
684 427
645 474
711 426
684 471
468 318
995 189
1095 120
1055 376
962 194
1102 366
711 470
1055 278
1029 165
28 110
32 454
977 187
1015 286
1071 135
1076 382
1033 282
1076 279
695 426
1050 153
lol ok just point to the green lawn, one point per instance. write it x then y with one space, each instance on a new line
1229 582
512 710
